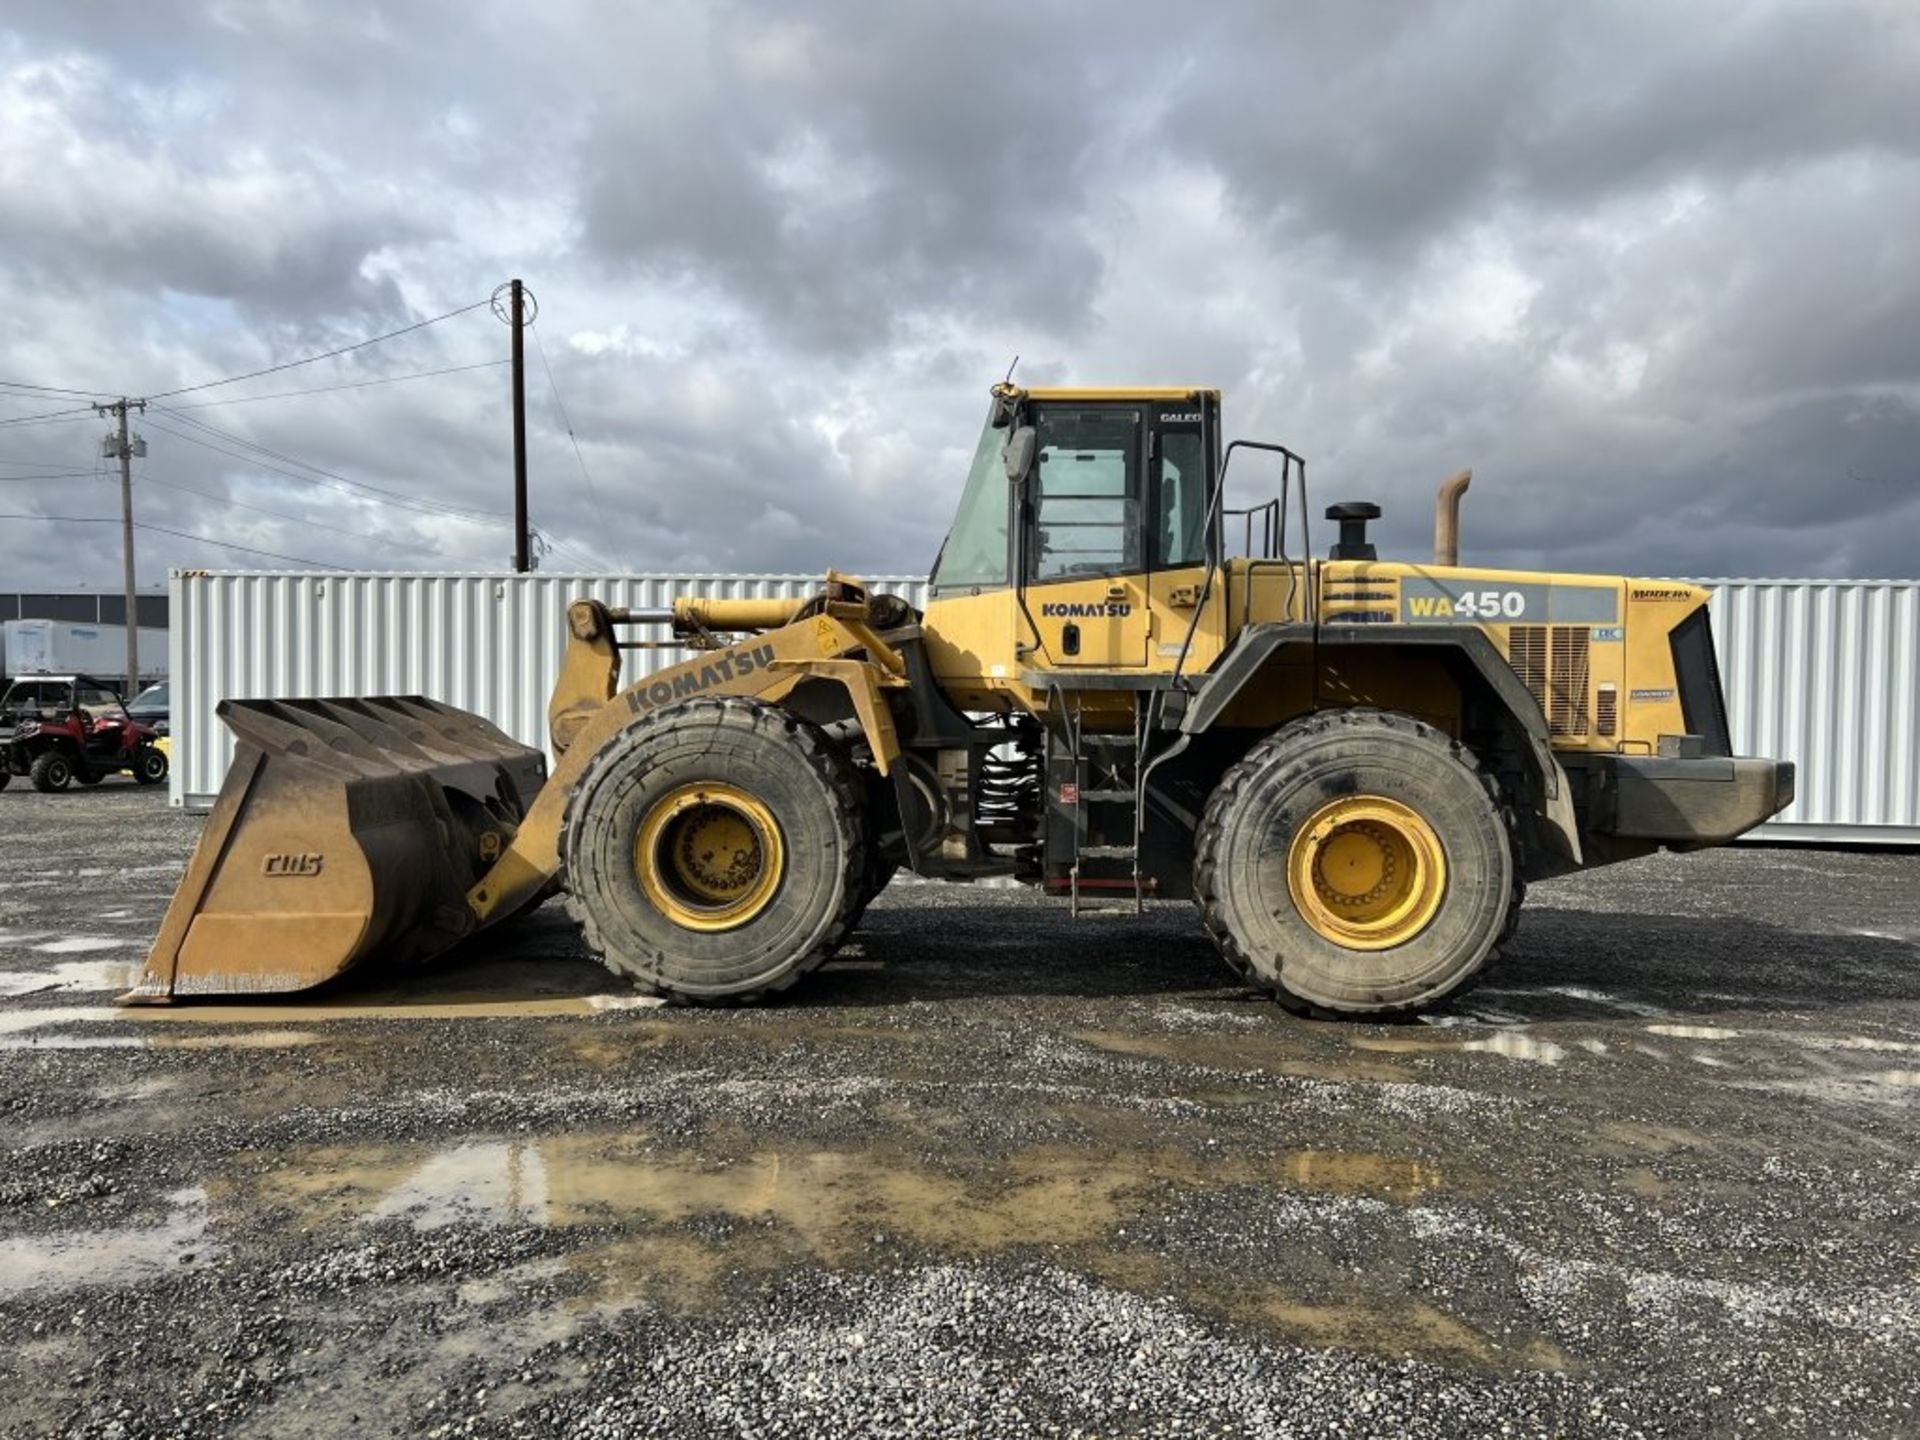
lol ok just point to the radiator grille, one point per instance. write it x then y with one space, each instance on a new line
1551 661
1606 709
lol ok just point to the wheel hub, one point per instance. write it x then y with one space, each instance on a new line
1367 872
709 856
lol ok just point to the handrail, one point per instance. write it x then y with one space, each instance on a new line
1215 509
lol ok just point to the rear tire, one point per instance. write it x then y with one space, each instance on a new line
149 765
51 771
6 777
714 851
1420 823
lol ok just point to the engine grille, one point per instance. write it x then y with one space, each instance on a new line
1552 662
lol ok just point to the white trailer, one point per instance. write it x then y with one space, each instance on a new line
62 647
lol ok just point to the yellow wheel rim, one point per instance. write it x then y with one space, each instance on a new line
1367 872
709 856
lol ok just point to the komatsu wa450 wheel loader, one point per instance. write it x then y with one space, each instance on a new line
1353 766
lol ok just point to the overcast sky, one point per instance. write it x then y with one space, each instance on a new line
1652 270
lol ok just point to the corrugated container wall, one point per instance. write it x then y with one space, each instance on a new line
487 643
1826 673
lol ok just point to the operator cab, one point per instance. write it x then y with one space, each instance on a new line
1092 508
1118 484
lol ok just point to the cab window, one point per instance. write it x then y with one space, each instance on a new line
1086 494
975 553
1180 532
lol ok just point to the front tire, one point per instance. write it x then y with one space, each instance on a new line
149 765
51 771
714 851
1356 862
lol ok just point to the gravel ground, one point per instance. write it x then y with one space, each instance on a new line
991 1173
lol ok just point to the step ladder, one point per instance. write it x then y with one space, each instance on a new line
1110 776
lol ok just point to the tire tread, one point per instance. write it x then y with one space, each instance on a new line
1206 872
807 740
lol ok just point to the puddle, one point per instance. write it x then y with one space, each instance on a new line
1851 1042
832 1201
1693 1032
1601 998
1353 1172
105 976
1900 1079
15 1021
1235 1050
242 1040
81 944
125 1256
490 1182
1410 1325
235 1040
147 1089
1508 1043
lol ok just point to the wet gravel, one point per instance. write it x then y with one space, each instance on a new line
992 1173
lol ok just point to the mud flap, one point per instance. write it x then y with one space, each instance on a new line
346 832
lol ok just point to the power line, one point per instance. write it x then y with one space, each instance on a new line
324 355
54 475
326 478
567 421
46 415
53 389
580 556
353 385
439 506
180 534
148 477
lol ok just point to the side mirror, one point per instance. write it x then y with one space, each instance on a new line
1019 454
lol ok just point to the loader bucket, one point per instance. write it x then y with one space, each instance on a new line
347 832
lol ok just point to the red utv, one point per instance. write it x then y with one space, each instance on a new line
60 728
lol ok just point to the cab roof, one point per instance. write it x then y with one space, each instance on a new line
1139 392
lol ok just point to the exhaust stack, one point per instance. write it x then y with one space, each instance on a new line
1446 518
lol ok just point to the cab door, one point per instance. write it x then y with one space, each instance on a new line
1086 581
1183 458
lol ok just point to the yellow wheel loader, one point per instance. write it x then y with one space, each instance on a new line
1119 690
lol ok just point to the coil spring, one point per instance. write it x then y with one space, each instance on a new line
1009 788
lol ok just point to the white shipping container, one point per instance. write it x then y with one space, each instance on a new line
487 643
1825 673
63 647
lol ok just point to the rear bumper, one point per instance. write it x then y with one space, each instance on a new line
1685 802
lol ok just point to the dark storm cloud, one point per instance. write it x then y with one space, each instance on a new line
848 171
1645 267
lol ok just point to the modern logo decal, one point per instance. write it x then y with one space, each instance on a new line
691 679
1092 610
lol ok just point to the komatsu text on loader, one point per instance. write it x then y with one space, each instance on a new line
1353 766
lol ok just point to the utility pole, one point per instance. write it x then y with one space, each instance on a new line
120 445
522 561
